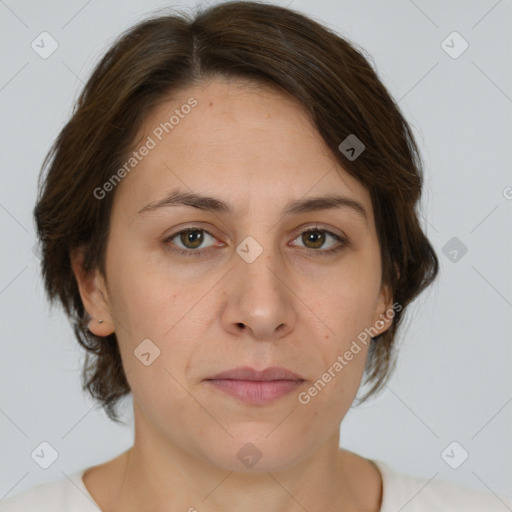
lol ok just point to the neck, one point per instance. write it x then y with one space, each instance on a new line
156 479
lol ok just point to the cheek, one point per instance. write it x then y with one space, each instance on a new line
153 318
348 302
157 308
164 399
323 404
141 299
346 309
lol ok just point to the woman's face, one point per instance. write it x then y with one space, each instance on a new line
250 287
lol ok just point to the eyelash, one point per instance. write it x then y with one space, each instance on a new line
343 242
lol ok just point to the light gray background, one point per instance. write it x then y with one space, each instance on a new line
453 381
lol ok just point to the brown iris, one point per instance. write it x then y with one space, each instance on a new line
194 237
317 238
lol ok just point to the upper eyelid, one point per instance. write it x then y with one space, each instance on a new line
336 236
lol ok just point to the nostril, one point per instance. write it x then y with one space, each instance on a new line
240 324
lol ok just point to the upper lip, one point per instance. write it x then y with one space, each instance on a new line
248 373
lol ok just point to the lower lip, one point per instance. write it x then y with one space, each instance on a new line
254 391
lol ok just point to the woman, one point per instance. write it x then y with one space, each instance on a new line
229 220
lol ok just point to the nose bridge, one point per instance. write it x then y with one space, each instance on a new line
259 300
259 267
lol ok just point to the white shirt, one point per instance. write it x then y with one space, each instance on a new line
401 492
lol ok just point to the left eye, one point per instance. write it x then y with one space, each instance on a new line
317 237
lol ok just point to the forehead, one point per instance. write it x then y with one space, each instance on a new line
239 141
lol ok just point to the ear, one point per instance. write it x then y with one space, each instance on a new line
384 311
93 291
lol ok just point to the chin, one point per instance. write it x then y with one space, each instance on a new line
255 451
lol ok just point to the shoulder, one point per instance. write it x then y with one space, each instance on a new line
68 494
413 494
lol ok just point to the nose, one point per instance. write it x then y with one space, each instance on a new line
259 301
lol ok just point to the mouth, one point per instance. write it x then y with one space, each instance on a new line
256 387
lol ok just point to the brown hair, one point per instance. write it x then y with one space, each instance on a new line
267 44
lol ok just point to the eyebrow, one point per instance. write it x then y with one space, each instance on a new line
310 204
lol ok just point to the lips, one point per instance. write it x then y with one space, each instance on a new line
256 387
247 373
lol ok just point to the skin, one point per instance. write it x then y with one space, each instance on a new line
256 149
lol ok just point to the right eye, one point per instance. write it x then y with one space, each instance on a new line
191 239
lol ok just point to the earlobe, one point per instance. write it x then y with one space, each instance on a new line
93 291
